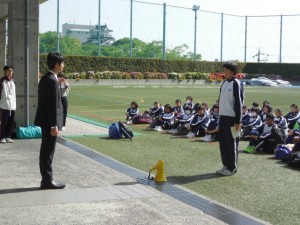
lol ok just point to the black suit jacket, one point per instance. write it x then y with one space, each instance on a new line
49 109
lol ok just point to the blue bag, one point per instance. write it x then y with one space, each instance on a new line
114 131
282 152
29 132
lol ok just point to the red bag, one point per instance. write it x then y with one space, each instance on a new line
142 119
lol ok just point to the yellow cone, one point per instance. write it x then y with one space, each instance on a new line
160 174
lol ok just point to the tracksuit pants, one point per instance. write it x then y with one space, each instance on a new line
228 144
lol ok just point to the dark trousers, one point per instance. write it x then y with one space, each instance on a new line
7 121
228 144
64 101
46 154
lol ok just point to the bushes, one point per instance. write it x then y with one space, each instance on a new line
137 75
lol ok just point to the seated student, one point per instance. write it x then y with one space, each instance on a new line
281 122
293 116
156 110
132 112
265 110
213 126
291 135
178 109
251 123
266 137
255 105
180 125
165 121
199 123
246 113
188 104
205 105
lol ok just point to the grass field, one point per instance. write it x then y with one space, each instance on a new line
263 187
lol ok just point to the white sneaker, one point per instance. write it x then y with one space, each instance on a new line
221 170
129 122
159 128
8 140
190 135
206 138
227 172
3 141
63 128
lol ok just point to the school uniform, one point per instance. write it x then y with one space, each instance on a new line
199 124
167 120
292 118
230 110
132 112
178 111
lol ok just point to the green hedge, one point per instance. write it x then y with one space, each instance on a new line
156 68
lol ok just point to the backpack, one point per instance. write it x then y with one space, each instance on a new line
114 131
125 130
282 152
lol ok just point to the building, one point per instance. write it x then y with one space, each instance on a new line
88 33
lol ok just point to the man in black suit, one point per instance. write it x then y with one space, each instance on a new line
49 118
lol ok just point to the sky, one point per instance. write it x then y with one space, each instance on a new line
263 33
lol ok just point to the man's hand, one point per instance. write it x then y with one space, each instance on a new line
54 131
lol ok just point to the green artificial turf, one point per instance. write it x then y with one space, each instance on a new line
263 187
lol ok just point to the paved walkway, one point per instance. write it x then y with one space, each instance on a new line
95 193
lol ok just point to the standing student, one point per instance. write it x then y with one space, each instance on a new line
230 110
7 104
64 91
49 117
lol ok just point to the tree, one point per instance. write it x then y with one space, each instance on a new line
120 48
67 44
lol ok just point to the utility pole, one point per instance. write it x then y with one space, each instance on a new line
259 54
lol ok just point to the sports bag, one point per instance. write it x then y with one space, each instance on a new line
114 131
282 152
142 119
28 132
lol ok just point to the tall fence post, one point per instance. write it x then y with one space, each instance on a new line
280 45
164 32
130 50
246 33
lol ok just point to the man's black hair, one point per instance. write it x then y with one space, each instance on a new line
232 66
54 58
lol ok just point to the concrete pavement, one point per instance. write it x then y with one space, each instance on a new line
95 193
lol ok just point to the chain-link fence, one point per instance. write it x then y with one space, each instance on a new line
219 36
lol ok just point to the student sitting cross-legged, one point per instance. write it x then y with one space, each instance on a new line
266 137
212 130
199 123
250 123
132 112
165 121
181 125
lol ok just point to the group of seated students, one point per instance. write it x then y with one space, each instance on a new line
189 120
265 129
